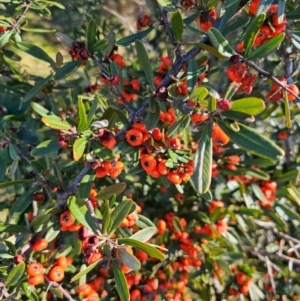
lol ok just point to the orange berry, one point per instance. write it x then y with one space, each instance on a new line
237 72
84 289
34 269
101 172
107 138
134 137
161 226
56 274
198 117
156 134
62 262
66 219
40 245
98 283
174 178
218 135
135 295
294 89
117 169
148 162
36 280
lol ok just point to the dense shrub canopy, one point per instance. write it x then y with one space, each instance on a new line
149 150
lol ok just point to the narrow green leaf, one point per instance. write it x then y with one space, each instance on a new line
167 5
199 94
179 126
37 88
211 50
152 5
150 250
15 274
230 8
5 38
86 270
91 34
45 148
253 142
17 182
280 225
177 25
144 235
136 36
220 43
86 184
37 30
3 162
128 259
264 49
291 214
82 116
252 31
12 228
118 215
107 192
100 45
92 111
81 214
105 217
203 161
121 283
264 5
36 52
248 105
13 152
67 69
144 222
145 63
21 204
287 112
111 39
56 123
39 109
192 74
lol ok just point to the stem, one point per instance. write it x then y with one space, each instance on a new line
60 288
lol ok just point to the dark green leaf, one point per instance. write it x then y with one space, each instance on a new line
291 214
12 228
136 36
82 116
152 5
252 31
37 88
100 45
56 123
150 250
36 52
121 283
118 215
144 222
192 74
177 25
203 161
275 218
230 8
67 69
45 148
105 217
145 63
264 49
91 34
111 39
108 191
15 274
3 162
17 182
85 271
253 142
220 43
128 259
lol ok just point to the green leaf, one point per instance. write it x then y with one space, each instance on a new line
280 225
264 49
220 43
144 235
253 142
152 5
108 191
12 228
179 126
67 69
287 112
3 162
192 74
86 184
17 182
21 204
144 222
45 148
230 9
118 215
38 30
145 63
15 274
56 123
128 259
105 217
39 109
152 117
81 214
199 94
85 271
211 50
92 111
82 126
150 250
167 5
252 31
248 105
291 214
177 25
13 152
263 6
111 39
203 161
36 52
136 36
91 34
100 45
5 37
121 283
37 88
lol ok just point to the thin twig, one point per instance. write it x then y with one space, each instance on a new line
270 273
60 288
